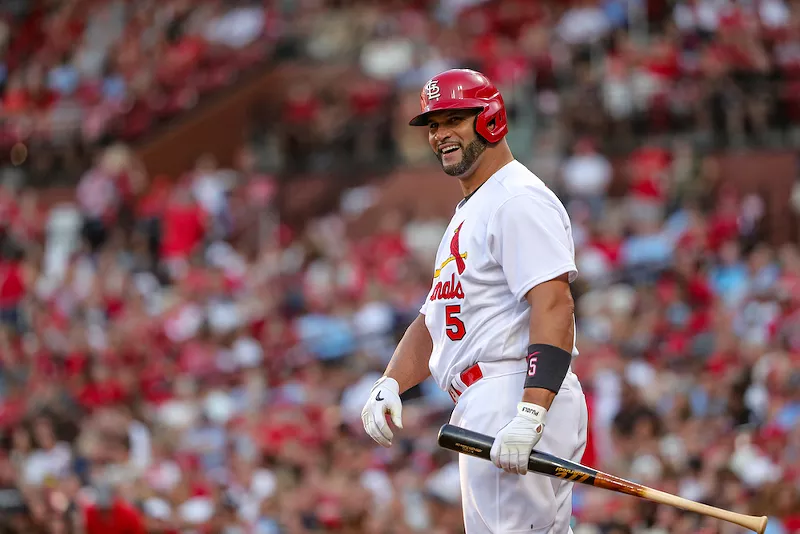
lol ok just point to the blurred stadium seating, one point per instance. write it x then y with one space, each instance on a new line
216 225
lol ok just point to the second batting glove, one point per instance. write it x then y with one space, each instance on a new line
383 398
513 444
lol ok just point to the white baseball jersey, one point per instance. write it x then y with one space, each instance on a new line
512 234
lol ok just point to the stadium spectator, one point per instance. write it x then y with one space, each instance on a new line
111 514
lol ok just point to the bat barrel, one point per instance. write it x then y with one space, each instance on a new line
754 523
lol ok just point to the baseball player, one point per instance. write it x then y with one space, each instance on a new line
497 329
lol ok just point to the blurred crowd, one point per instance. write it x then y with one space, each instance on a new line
175 358
721 73
78 73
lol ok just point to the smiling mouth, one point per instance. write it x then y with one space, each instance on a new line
449 149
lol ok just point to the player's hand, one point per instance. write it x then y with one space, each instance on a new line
513 444
383 398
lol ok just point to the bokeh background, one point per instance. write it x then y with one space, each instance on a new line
216 224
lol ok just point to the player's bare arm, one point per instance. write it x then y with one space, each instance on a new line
409 363
407 368
551 324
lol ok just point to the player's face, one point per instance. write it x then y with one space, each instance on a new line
452 137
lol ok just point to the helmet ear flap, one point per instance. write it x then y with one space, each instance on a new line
491 123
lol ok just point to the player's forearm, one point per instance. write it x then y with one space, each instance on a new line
409 363
552 323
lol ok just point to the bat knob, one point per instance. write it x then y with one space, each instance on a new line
442 432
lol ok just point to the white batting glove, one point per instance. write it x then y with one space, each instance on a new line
383 398
513 444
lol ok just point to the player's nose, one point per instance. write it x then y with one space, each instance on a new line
441 136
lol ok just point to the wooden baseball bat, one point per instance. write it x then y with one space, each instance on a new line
475 444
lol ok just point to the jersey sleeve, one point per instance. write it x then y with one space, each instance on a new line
532 242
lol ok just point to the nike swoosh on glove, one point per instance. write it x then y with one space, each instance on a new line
383 398
513 444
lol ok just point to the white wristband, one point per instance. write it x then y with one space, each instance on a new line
532 412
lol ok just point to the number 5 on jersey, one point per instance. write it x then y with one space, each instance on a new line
454 326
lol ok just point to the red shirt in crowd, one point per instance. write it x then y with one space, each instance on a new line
383 253
664 64
12 284
155 384
122 518
13 408
647 165
75 363
101 394
366 99
301 107
610 247
184 227
792 523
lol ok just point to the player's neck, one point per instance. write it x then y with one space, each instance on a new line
488 166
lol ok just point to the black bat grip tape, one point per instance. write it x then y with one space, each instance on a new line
479 445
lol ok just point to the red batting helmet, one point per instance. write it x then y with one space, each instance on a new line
465 89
